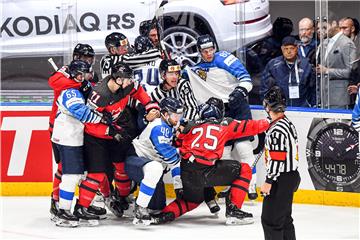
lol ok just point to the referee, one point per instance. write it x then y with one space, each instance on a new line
282 178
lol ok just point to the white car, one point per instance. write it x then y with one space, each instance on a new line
52 28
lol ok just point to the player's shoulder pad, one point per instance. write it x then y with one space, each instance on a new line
104 96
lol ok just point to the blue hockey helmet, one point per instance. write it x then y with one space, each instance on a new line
77 67
209 111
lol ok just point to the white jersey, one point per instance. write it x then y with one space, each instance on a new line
149 75
155 143
219 77
69 122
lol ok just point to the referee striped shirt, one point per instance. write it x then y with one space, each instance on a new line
281 149
133 60
183 92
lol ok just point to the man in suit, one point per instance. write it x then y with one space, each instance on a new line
335 62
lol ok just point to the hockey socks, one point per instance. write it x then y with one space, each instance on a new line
67 190
56 183
180 207
152 173
122 181
89 186
240 186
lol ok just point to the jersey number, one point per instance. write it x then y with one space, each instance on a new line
152 77
208 135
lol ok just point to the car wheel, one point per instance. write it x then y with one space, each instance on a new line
180 42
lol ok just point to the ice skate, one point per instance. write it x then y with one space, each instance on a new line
99 211
115 205
163 217
235 216
86 218
142 215
66 219
54 208
213 206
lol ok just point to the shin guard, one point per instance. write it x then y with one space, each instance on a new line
122 181
88 188
239 188
180 207
56 183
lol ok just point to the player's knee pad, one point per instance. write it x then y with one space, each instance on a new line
243 152
153 171
245 171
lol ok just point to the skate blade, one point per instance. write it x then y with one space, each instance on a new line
89 223
54 218
66 223
236 221
102 217
140 222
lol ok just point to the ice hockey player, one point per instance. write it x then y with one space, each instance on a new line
59 81
106 145
86 53
226 78
151 151
67 136
201 145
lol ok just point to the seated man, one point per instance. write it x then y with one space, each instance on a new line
151 151
201 148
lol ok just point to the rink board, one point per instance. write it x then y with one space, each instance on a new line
27 164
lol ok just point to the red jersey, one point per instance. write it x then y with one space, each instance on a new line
204 141
59 81
102 99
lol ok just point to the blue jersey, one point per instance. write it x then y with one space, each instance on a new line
355 121
72 113
219 77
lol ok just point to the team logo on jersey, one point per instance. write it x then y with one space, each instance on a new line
201 73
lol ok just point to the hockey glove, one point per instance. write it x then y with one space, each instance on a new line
118 134
106 118
237 96
179 193
85 89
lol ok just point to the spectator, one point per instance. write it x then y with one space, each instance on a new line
293 74
307 46
336 61
271 47
350 28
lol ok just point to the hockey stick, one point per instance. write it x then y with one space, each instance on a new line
53 64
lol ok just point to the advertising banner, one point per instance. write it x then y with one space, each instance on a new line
329 159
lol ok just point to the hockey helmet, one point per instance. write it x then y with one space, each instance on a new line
218 103
121 70
142 44
169 66
116 39
83 50
77 67
205 41
209 111
275 99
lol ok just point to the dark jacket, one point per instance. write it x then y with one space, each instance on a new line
277 72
